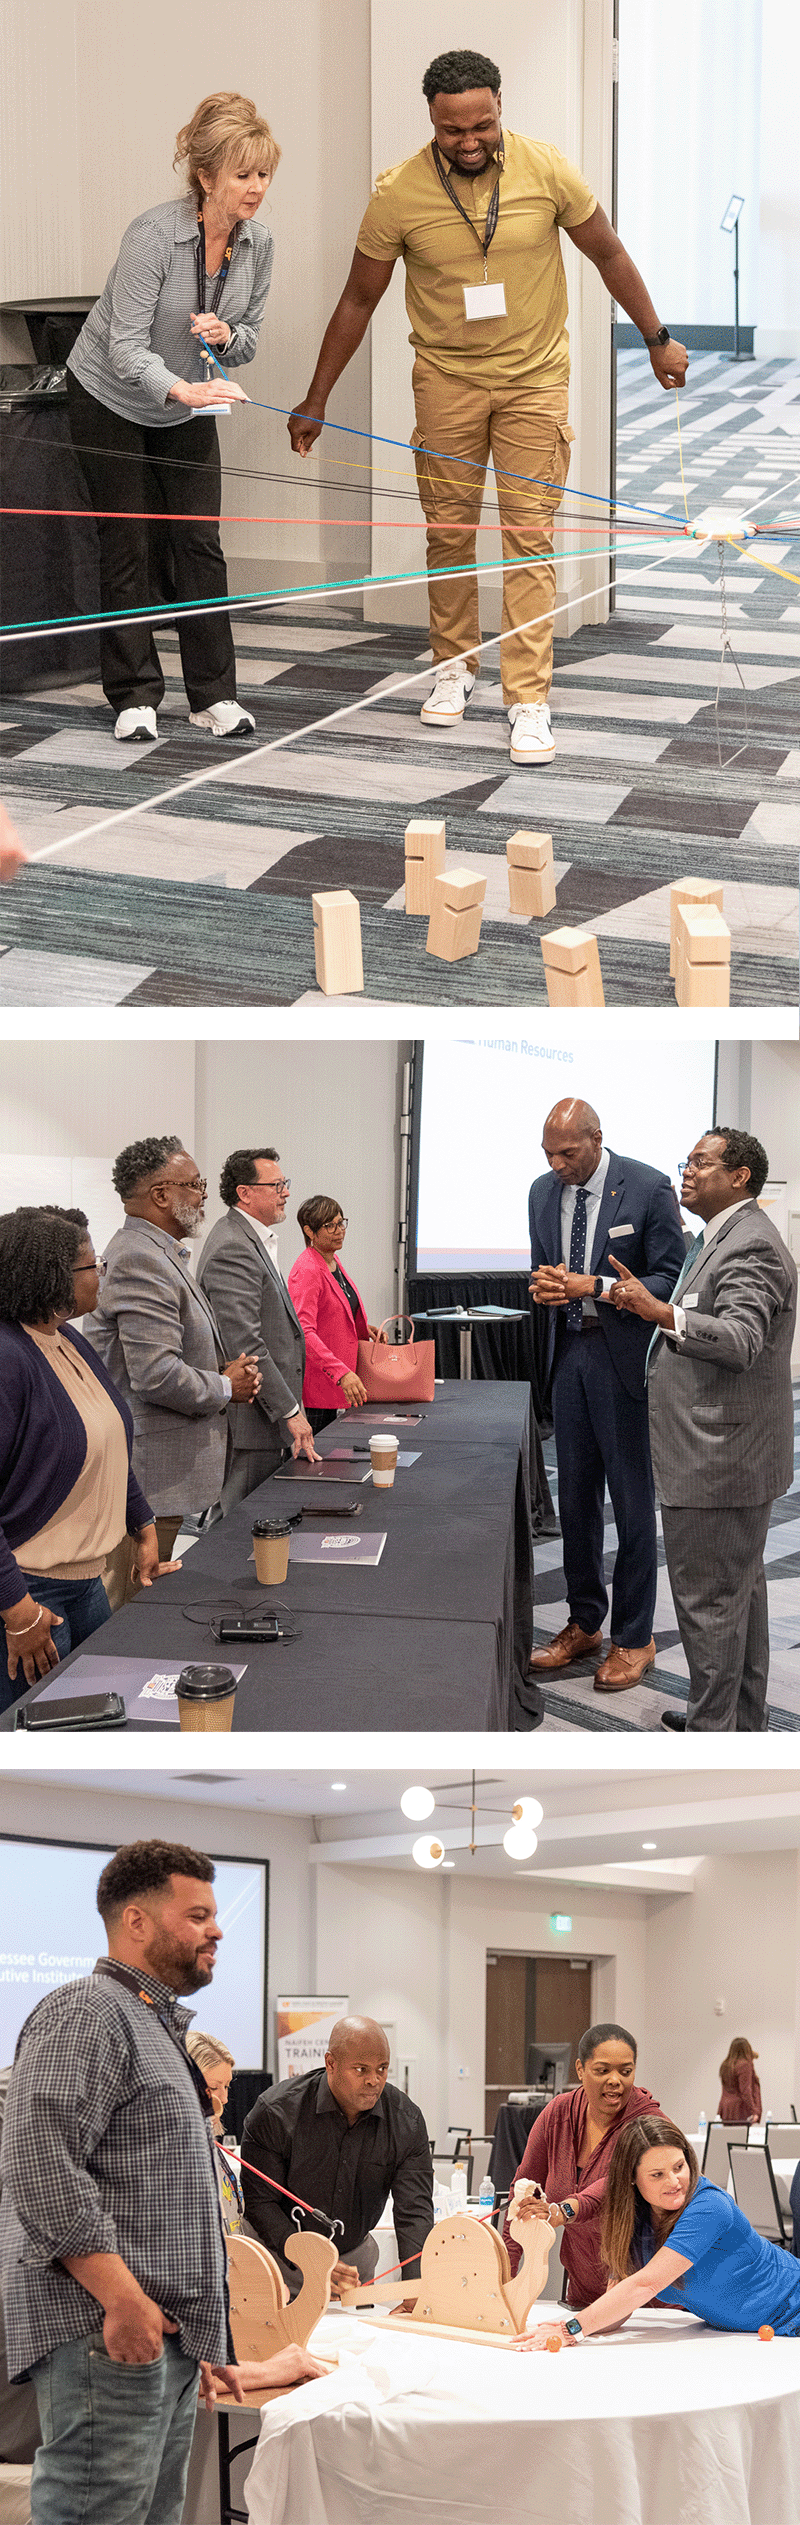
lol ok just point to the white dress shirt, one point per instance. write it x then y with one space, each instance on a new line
594 1194
269 1241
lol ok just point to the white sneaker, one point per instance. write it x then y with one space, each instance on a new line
135 727
224 718
532 739
448 700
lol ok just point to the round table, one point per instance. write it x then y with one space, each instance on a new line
666 2424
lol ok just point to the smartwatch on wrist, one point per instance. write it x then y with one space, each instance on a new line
575 2329
567 2211
597 1286
656 341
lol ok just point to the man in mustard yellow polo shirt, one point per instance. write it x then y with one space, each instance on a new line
475 216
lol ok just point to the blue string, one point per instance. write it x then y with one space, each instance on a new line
668 516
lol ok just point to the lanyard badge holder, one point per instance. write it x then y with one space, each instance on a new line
489 298
222 276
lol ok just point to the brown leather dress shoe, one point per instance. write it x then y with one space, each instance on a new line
566 1648
623 1667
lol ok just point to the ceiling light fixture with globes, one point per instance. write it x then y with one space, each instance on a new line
519 1838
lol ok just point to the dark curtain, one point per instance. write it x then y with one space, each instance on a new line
515 1351
50 564
245 2088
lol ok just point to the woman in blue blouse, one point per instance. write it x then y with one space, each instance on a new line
669 2235
189 273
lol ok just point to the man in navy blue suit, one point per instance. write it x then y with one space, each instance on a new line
593 1207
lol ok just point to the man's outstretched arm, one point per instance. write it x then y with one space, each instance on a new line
596 238
364 287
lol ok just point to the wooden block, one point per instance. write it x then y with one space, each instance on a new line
531 882
530 850
689 890
465 2283
337 942
702 957
456 913
424 862
572 969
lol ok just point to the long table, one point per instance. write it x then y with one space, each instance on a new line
437 1636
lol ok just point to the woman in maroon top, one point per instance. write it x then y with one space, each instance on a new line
570 2149
740 2100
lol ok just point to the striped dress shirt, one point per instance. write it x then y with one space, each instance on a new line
106 2149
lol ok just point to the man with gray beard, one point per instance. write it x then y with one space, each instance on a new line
157 1336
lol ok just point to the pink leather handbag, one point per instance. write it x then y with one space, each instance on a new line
401 1372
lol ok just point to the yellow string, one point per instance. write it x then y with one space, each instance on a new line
680 451
747 552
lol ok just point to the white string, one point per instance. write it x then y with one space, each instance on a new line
383 692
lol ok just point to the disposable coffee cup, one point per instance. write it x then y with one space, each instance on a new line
383 1458
205 1696
271 1537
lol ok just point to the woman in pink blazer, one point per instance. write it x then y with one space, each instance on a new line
331 1313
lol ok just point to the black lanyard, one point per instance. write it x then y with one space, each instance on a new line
493 211
201 270
108 1965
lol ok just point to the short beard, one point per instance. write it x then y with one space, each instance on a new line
175 1966
187 1218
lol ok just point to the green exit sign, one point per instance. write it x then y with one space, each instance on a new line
561 1921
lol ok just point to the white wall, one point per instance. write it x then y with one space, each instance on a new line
778 328
330 1108
689 138
736 1940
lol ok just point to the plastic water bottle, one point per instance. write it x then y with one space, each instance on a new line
458 2188
486 2196
701 2125
441 2203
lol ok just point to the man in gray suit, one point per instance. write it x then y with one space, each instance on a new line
241 1276
721 1425
155 1332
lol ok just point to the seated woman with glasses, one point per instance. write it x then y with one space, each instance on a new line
671 2236
331 1312
67 1490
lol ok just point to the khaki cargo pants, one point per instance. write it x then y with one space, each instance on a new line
528 438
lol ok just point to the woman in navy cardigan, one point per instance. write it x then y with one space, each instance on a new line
67 1490
331 1312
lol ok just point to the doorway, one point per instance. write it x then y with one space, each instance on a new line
531 1999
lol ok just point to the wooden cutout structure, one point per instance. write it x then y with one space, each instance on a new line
572 969
465 2286
337 942
531 880
702 957
424 861
454 927
260 2322
689 890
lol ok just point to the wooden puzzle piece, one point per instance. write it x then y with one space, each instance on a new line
702 957
572 969
425 845
689 890
465 2286
337 942
456 913
531 878
260 2322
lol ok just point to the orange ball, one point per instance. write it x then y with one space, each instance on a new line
765 2332
554 2342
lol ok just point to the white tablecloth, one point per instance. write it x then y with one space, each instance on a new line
666 2424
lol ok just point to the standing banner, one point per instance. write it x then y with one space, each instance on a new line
303 2028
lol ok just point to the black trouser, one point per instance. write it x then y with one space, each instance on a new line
170 470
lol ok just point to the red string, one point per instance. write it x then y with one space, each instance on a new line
211 517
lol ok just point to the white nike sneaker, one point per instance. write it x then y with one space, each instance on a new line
448 700
136 727
224 718
532 739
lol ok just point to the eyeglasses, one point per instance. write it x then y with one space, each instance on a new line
695 1165
95 1265
181 1183
279 1183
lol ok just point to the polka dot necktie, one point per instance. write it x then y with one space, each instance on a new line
577 1258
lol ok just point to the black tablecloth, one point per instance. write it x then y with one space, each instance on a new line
438 1636
512 2128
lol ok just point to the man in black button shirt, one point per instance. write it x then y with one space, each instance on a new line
343 2140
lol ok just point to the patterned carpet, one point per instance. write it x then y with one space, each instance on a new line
571 1701
204 901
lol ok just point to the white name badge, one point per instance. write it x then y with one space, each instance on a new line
487 299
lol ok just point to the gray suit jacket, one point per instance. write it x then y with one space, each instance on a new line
255 1313
155 1333
721 1424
